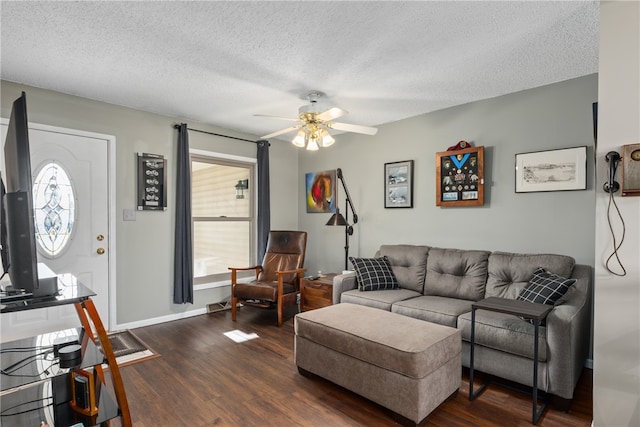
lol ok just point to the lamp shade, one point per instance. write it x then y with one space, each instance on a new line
326 139
337 219
300 139
312 145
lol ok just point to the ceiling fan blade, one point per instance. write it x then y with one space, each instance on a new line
276 117
280 132
353 128
330 114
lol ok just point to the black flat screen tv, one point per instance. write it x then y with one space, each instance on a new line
20 239
4 254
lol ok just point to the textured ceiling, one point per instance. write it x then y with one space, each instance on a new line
222 62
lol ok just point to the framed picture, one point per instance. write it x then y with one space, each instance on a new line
321 191
553 170
460 177
398 184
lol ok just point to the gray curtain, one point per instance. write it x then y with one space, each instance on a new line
264 203
183 261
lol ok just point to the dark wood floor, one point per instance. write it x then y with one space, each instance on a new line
205 379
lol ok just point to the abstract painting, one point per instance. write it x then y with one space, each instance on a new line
321 192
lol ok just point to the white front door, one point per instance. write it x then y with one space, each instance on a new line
84 157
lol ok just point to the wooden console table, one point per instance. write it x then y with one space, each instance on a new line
93 332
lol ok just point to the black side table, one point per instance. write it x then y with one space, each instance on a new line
535 312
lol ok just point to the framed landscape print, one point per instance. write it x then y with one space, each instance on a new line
398 184
460 177
553 170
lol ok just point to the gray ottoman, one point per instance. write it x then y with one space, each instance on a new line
406 365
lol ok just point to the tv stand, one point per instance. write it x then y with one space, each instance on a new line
16 389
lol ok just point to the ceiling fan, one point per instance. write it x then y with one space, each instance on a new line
314 121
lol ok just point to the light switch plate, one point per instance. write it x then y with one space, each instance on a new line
129 215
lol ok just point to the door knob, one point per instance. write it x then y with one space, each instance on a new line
100 251
100 237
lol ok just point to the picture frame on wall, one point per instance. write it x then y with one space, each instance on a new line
563 169
152 182
460 177
398 184
321 191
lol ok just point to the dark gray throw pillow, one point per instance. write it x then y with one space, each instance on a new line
374 273
545 287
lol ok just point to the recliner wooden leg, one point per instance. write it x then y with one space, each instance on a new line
234 307
279 315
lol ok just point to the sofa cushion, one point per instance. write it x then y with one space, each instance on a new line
441 310
374 273
408 262
545 287
377 299
456 273
504 332
509 273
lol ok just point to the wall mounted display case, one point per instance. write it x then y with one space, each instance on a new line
152 182
460 177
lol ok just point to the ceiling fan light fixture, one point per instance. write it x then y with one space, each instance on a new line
326 140
312 145
315 121
300 139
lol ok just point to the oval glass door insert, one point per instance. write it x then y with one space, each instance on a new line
54 207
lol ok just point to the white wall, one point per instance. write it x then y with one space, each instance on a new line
144 259
549 117
616 389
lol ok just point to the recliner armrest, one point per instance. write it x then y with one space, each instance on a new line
234 272
343 282
297 270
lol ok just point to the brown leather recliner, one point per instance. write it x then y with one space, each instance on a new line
277 279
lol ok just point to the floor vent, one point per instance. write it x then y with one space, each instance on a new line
218 306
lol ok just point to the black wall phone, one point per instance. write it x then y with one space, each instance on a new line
612 186
613 158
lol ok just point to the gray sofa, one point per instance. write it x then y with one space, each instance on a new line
439 285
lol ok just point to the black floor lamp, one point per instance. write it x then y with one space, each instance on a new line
338 219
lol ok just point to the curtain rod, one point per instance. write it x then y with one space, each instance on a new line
216 134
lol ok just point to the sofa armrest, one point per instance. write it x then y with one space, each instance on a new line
341 283
568 334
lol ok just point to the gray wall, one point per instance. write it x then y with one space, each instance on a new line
549 117
144 260
616 348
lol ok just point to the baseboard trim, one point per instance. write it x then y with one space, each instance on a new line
588 363
161 319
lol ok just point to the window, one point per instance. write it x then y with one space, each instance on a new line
222 203
54 209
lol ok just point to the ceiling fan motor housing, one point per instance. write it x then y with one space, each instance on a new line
314 106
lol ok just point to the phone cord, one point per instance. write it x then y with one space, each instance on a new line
616 246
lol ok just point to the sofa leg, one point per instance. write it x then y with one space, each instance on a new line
407 422
306 373
560 403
